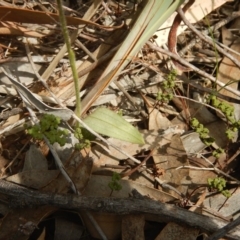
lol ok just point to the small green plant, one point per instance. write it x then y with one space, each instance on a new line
166 95
120 112
83 142
49 127
232 129
202 131
228 112
114 184
217 152
219 184
224 107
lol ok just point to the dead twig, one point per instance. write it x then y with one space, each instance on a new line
129 173
207 39
223 231
213 28
172 36
197 70
23 197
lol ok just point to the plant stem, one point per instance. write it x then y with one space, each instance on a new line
71 56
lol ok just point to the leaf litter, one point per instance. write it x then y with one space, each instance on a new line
177 171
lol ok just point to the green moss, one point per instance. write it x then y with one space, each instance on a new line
49 127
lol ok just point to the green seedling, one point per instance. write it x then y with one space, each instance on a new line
114 184
202 131
83 142
166 94
216 153
226 193
219 184
49 127
224 107
204 136
164 97
228 111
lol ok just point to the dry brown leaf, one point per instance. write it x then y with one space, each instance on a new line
29 16
173 231
8 28
98 186
192 143
153 139
20 223
169 160
11 120
217 203
111 224
199 9
133 227
3 163
79 174
156 120
34 160
36 179
67 228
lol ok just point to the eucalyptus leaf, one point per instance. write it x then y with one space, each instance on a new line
111 124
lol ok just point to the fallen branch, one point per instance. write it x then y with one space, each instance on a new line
23 197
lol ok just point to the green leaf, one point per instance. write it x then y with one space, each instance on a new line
110 124
153 15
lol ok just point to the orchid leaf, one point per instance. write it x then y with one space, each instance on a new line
153 15
109 123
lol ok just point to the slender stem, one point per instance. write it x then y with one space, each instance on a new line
71 56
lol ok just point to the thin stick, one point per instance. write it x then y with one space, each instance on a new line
79 44
212 29
223 231
197 70
206 38
38 75
129 173
24 197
